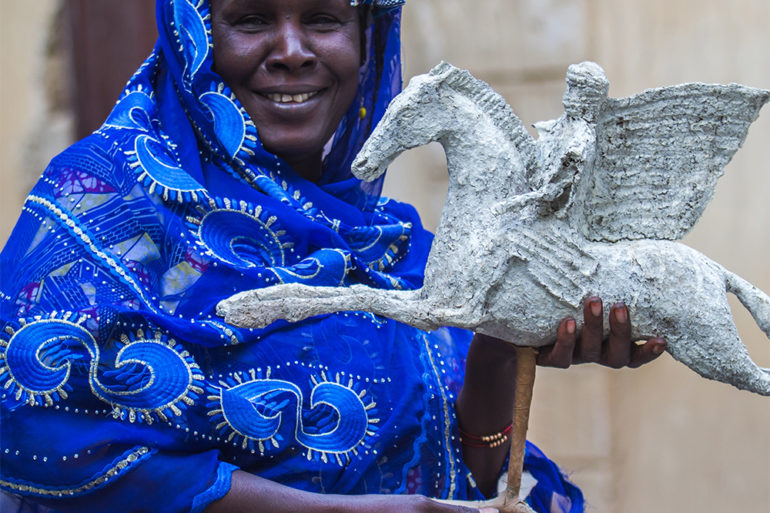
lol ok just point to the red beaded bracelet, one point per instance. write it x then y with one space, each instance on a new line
490 441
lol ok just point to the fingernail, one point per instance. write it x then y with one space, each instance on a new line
621 314
658 348
596 307
571 326
489 510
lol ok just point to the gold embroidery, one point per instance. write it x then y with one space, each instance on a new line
447 422
88 243
237 420
110 474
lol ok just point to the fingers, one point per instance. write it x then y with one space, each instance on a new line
645 353
468 509
424 505
589 346
620 350
617 350
560 354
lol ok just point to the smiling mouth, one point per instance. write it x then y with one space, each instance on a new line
290 98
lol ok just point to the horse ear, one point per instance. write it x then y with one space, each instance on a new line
443 68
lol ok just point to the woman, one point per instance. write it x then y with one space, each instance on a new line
224 167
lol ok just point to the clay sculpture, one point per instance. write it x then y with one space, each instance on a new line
531 228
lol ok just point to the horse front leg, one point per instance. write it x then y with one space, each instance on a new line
294 302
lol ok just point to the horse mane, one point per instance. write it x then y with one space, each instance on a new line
491 103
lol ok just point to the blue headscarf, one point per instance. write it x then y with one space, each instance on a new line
121 387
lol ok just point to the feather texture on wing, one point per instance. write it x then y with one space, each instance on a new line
554 260
658 157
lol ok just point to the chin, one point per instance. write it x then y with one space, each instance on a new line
296 146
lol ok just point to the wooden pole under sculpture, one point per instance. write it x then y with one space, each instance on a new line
526 364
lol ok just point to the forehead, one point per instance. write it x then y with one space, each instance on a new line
302 4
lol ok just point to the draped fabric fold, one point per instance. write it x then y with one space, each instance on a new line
118 383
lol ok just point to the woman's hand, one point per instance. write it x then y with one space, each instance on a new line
485 403
616 351
252 494
405 504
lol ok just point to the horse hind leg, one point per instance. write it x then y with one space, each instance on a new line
294 302
715 351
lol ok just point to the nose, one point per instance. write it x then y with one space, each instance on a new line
291 50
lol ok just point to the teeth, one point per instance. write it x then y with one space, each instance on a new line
290 98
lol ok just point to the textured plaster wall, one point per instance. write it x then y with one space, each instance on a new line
714 448
659 438
35 120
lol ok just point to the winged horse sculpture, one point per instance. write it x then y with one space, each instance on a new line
531 228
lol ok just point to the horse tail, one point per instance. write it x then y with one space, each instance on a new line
753 299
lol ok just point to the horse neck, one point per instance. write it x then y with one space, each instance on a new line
481 155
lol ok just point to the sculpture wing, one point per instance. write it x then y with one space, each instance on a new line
658 157
555 260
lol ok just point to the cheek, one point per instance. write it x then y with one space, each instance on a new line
347 63
222 62
232 58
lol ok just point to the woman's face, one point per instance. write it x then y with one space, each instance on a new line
294 66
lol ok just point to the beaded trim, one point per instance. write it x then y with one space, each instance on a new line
123 465
380 4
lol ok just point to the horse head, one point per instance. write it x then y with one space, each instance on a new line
414 118
437 107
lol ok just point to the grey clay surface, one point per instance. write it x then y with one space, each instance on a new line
532 228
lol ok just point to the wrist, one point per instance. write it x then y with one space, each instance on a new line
486 441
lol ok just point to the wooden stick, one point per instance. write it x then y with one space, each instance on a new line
508 501
526 362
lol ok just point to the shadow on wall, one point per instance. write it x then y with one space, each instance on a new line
109 40
67 60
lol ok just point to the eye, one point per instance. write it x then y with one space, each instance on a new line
323 21
251 22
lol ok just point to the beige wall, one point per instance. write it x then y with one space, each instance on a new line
34 123
655 439
659 438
